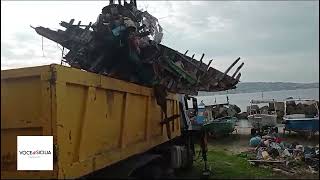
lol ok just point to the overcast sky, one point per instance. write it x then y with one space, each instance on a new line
277 41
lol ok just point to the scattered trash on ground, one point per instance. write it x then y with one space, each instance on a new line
283 157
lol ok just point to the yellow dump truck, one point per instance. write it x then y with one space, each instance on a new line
96 121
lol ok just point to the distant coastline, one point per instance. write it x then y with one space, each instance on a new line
252 87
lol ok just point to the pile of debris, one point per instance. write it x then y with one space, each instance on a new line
124 43
290 159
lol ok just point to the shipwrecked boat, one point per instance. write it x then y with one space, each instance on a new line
125 43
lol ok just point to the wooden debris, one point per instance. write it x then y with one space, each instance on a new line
266 161
154 63
282 171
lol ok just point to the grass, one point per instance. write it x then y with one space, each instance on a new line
225 165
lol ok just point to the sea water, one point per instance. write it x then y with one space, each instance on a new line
242 100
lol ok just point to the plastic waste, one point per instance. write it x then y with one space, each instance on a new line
300 148
255 141
286 153
265 155
278 140
259 153
266 142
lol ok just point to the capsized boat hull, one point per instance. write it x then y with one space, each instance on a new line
302 124
223 125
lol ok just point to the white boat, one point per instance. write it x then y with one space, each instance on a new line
261 119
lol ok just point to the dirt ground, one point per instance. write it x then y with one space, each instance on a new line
239 142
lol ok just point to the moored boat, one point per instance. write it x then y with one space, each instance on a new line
220 126
219 119
262 118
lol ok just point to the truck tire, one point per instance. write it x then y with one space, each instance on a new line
151 171
189 160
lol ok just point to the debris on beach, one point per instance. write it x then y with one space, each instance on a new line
287 158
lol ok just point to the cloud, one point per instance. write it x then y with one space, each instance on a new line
274 39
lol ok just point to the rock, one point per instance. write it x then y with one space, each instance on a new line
310 110
243 115
264 109
236 108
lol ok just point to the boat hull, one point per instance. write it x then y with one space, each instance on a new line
219 127
302 124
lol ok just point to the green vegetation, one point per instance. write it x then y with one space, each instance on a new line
225 165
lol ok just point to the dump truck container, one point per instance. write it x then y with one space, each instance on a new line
95 120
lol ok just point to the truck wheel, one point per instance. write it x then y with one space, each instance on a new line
189 161
168 173
156 172
150 171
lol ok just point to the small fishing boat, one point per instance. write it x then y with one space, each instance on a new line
219 119
262 118
303 121
220 126
215 119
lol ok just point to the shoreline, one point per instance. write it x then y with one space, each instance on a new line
233 93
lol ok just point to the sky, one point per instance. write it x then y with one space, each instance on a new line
277 41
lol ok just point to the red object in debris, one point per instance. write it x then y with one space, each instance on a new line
278 140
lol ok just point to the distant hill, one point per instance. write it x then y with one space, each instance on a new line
251 87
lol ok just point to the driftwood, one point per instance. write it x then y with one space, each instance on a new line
282 171
266 161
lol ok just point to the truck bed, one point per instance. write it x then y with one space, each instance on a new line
95 120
